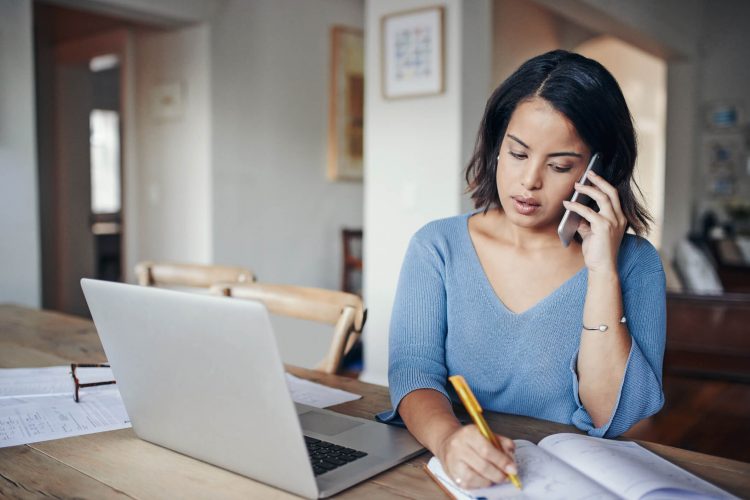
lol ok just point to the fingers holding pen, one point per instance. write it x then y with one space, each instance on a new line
466 477
508 445
473 462
494 464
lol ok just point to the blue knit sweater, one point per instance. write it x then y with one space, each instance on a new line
448 320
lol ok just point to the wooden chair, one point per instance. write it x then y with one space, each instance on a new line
189 275
344 310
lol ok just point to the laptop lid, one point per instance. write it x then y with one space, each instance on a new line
201 375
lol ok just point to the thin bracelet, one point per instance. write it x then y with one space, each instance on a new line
602 327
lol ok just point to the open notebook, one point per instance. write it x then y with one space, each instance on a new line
572 466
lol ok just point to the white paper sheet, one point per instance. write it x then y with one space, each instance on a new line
36 404
35 381
317 395
33 419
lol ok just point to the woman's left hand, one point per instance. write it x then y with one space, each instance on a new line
601 231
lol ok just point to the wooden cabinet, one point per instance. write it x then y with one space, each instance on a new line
708 335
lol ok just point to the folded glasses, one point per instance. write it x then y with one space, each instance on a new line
78 384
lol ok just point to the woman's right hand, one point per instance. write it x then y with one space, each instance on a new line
472 462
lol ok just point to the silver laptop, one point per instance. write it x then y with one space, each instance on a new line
202 375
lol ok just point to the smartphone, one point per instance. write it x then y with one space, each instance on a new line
570 220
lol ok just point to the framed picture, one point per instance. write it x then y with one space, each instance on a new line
724 115
346 111
412 53
724 162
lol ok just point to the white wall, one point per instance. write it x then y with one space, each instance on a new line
415 149
19 224
274 211
724 76
130 164
173 152
725 45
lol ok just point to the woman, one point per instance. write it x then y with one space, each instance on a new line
573 335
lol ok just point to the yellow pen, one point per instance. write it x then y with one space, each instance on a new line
475 411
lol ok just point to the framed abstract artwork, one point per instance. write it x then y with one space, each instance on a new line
346 105
412 52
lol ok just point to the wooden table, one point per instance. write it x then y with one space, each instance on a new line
119 465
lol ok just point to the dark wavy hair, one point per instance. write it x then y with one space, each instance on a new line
589 96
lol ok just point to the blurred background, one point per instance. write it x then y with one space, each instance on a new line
264 134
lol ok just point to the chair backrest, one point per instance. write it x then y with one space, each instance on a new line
189 275
343 310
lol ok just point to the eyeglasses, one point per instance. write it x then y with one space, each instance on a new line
78 384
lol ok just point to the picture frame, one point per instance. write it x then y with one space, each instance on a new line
346 105
723 160
413 48
720 115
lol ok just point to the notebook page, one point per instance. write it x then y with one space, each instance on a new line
542 475
627 468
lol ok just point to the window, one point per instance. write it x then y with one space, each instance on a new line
105 161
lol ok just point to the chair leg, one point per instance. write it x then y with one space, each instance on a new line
341 334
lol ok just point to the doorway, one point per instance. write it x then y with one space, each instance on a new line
80 63
643 79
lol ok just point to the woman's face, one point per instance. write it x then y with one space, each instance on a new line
541 157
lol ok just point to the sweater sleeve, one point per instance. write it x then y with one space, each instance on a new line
641 395
418 325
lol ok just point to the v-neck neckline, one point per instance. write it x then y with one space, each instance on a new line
489 290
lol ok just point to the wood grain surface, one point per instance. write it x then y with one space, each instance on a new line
119 465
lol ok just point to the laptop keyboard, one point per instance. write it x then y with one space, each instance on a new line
326 456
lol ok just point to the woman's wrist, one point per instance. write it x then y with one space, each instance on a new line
603 310
442 437
607 275
429 417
